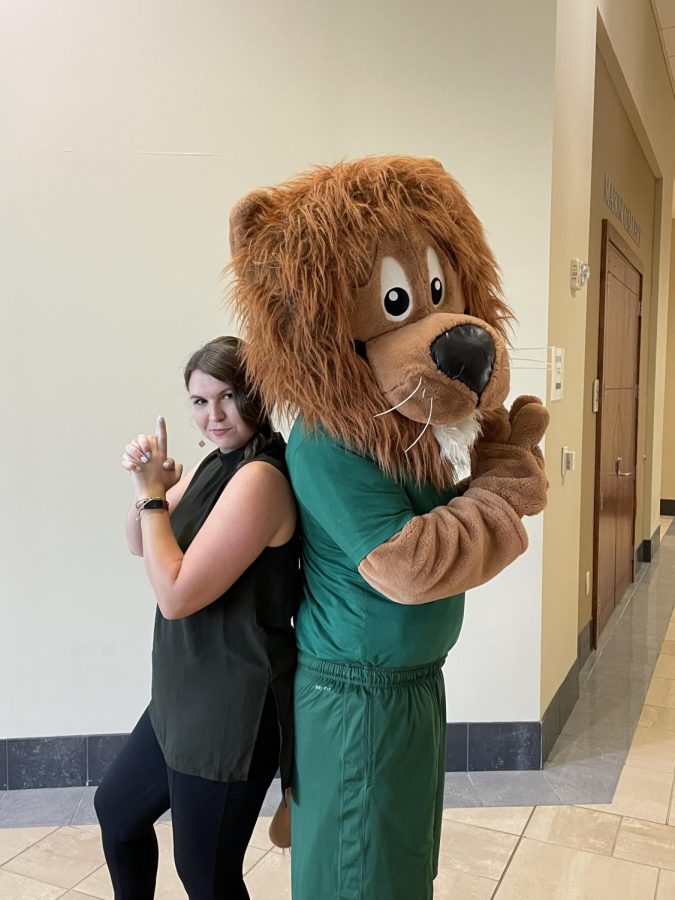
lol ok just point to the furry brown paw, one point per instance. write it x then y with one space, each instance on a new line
507 459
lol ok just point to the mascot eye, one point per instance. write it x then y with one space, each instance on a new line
396 302
397 296
435 277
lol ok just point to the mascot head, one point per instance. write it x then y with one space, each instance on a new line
371 305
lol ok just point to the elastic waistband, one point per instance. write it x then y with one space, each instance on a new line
367 676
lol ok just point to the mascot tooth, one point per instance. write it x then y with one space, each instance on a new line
372 309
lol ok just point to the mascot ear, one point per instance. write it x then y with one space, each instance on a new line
245 217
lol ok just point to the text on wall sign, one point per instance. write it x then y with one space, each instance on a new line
622 211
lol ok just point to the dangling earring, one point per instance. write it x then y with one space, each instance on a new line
201 442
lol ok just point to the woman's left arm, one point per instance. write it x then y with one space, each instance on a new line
253 510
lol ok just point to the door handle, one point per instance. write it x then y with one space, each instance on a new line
617 470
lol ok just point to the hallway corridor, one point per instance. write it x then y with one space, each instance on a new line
598 823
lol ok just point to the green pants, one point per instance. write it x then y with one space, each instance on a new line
368 781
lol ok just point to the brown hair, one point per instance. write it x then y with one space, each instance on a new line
221 358
299 252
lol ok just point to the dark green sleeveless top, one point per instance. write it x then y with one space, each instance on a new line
211 671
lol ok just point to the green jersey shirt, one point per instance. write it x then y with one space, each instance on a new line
348 507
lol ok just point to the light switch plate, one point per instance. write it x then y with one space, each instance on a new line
557 373
567 461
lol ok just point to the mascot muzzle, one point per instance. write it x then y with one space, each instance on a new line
441 368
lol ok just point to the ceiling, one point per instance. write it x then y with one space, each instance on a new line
665 19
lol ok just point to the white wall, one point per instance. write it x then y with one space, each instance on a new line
129 130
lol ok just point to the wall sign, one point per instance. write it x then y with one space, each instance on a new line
622 211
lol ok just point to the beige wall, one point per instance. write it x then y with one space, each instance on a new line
668 471
617 154
570 188
632 50
627 33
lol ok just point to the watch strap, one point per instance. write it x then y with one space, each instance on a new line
150 503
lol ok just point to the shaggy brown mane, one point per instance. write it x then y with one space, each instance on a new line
299 250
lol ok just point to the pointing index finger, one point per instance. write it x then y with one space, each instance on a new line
160 434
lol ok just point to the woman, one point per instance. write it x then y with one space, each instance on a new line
221 550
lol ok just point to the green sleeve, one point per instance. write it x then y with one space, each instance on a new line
347 495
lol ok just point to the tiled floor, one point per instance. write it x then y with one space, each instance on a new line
597 824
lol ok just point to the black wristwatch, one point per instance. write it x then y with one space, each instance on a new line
150 503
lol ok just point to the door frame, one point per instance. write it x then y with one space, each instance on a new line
610 235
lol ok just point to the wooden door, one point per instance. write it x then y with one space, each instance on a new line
616 439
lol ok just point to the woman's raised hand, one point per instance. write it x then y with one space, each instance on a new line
153 472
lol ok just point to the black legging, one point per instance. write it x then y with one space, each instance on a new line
212 820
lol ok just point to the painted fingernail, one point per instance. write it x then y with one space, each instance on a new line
149 454
144 458
138 469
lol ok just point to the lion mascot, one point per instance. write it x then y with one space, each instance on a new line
372 310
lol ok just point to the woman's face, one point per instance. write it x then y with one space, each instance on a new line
215 412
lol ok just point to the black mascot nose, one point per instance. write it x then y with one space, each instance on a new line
466 353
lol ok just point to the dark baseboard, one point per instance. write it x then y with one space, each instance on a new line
585 643
559 709
668 507
492 746
70 761
647 549
80 760
511 746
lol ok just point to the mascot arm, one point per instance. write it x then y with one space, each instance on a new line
447 551
409 558
475 536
